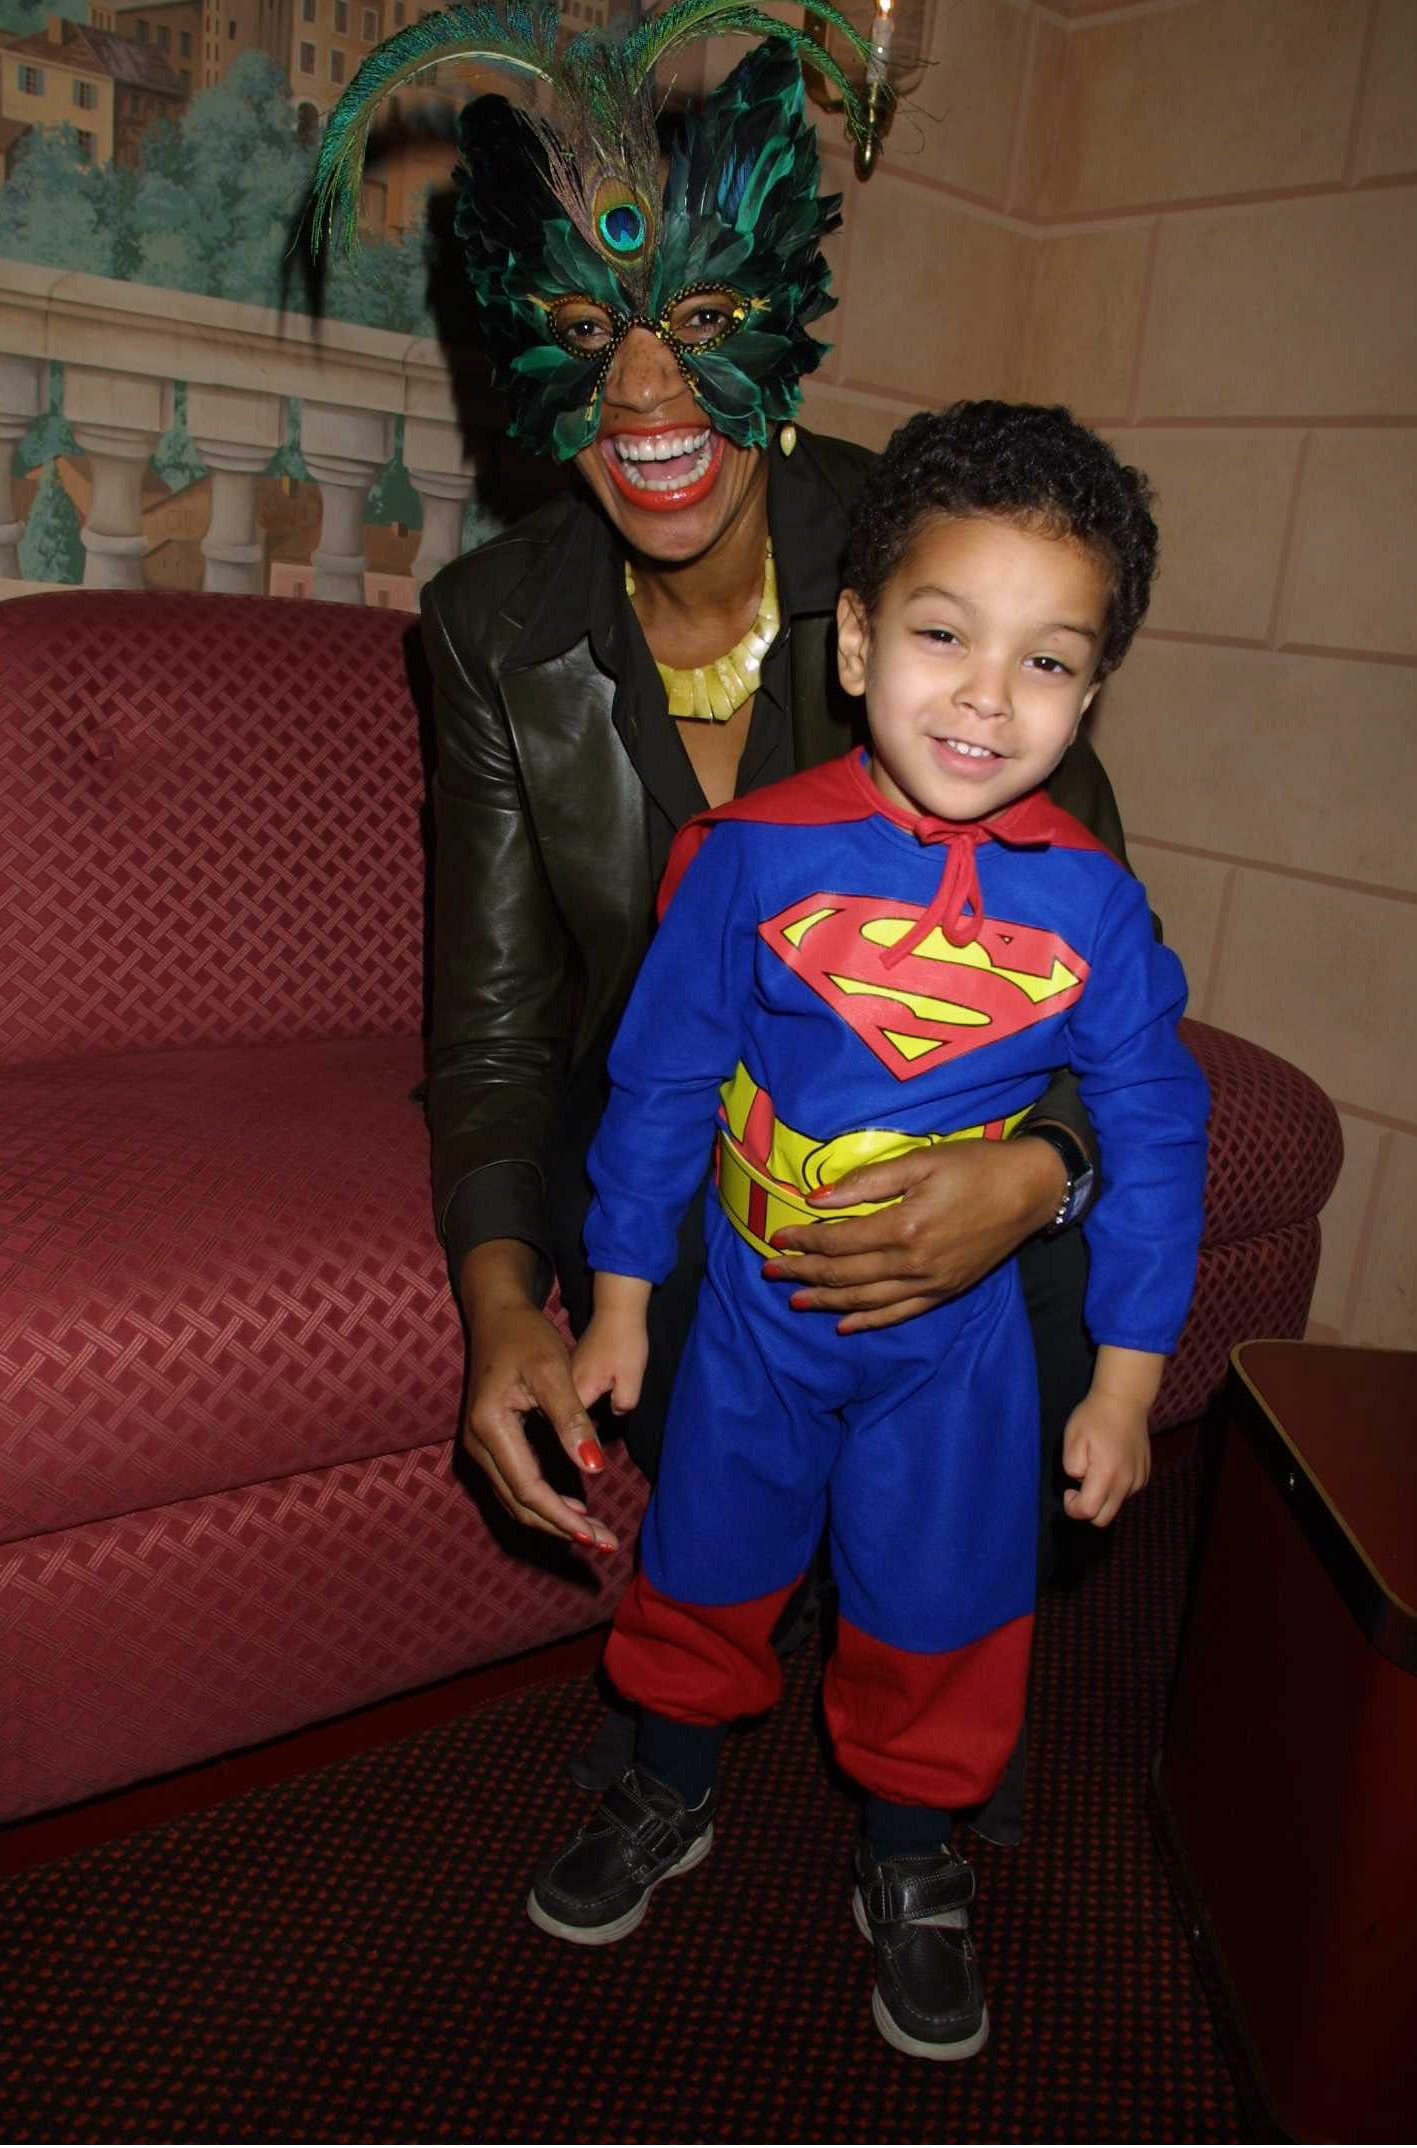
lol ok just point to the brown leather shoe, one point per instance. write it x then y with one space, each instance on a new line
597 1889
929 1996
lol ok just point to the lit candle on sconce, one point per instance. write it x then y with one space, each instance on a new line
898 36
882 31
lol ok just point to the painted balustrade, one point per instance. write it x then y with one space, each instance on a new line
124 345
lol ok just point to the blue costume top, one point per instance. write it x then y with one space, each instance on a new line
818 976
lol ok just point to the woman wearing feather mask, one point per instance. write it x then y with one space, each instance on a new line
655 641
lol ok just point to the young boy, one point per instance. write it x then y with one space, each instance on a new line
899 948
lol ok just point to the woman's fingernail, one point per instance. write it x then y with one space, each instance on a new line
583 1536
606 1550
590 1454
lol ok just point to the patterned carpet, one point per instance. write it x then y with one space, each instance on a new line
344 1956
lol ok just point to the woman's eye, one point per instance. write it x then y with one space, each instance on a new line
944 637
696 321
588 332
581 327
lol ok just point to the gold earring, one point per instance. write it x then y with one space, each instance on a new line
787 439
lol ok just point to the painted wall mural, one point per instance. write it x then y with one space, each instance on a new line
180 406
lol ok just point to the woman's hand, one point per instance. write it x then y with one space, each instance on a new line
959 1209
519 1363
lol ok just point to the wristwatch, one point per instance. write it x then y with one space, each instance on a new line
1081 1173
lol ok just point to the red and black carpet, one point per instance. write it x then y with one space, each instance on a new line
344 1956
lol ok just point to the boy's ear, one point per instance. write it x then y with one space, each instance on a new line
1087 700
853 641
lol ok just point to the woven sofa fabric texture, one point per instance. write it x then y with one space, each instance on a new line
133 1646
1276 1147
216 1266
176 775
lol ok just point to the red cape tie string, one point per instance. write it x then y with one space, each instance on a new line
958 888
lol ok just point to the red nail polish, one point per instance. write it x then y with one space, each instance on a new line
583 1536
590 1455
607 1551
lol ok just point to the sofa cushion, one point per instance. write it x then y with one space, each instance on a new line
216 1267
210 823
141 1644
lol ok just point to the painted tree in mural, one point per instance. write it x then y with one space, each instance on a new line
51 549
52 206
217 204
21 18
212 210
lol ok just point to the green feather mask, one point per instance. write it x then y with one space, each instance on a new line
570 239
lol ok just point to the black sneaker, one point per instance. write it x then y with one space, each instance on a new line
929 1996
597 1889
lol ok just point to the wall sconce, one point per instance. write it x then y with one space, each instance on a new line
900 32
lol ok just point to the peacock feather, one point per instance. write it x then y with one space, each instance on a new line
599 133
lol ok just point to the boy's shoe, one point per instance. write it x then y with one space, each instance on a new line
929 1997
597 1889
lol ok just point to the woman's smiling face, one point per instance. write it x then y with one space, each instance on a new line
669 483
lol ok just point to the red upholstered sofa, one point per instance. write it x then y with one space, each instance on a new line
229 1364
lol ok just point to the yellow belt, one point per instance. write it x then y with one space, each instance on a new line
761 1198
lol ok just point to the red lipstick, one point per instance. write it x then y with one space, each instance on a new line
668 499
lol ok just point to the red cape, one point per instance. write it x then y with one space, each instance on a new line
842 791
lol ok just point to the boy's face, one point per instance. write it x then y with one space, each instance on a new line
978 665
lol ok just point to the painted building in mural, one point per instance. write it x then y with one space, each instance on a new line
108 89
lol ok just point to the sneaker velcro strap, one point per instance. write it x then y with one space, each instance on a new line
625 1803
911 1897
653 1841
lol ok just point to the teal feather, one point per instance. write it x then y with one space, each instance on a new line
517 40
602 123
686 21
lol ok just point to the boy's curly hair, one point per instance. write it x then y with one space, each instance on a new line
1023 463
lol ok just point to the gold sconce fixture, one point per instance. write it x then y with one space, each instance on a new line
901 32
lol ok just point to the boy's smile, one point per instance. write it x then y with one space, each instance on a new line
978 663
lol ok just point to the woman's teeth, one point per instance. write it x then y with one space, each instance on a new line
636 449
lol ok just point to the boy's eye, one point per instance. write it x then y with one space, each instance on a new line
1053 667
941 635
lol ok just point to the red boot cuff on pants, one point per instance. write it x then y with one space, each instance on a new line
928 1730
696 1663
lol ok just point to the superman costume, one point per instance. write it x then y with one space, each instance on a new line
835 979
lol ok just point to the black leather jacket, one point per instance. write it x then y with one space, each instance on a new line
544 887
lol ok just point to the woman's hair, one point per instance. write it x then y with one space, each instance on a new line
1022 463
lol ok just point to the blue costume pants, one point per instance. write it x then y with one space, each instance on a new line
917 1446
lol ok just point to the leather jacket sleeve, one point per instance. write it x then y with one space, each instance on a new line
502 962
1079 785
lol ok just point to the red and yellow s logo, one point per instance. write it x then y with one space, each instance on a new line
942 1001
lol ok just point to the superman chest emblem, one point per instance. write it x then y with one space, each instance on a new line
942 1001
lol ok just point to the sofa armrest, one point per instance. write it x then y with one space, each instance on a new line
1275 1143
1275 1153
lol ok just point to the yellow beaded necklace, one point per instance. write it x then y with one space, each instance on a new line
714 692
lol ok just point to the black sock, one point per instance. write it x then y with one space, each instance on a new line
897 1830
684 1755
